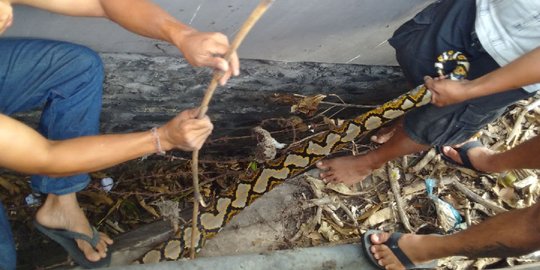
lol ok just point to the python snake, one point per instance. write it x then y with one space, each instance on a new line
254 183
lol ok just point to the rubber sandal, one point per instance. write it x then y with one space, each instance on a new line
463 154
67 240
392 243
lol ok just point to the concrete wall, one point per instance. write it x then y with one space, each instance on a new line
331 31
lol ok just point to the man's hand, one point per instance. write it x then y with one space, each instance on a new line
206 49
447 92
6 15
185 131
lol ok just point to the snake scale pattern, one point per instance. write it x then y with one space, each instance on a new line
255 183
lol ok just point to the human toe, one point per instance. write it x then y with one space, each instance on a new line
89 252
322 165
379 238
451 153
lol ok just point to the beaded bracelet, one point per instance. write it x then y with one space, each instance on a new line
155 134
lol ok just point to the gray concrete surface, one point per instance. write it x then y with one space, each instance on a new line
261 227
344 257
331 31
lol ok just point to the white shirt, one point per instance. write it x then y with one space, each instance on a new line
508 29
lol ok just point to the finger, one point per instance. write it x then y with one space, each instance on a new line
216 62
200 140
190 113
428 81
235 64
434 98
223 80
196 125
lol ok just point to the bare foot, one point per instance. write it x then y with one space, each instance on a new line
347 170
63 212
384 134
411 244
478 156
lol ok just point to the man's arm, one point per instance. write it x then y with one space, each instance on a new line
521 72
25 150
147 19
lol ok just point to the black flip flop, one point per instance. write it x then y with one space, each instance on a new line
392 243
67 240
462 151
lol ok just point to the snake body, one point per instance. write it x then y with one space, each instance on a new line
254 183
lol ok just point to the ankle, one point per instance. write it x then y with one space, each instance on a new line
493 164
374 160
66 200
421 251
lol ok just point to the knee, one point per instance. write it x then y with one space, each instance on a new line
78 68
79 60
86 60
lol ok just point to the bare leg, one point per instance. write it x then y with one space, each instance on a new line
63 212
352 169
509 234
384 134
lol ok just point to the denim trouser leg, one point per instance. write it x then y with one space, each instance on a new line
64 78
7 246
447 25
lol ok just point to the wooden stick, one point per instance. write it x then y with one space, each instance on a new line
246 27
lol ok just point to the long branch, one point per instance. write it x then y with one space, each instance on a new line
242 33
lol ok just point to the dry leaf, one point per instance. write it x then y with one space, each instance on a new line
146 207
308 105
97 198
343 189
379 217
11 188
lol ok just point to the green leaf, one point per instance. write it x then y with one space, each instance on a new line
253 166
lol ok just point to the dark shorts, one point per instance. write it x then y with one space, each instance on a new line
447 25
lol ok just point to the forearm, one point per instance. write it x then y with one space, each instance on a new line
96 152
521 72
145 18
524 156
25 150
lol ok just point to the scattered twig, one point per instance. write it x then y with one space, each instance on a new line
393 178
341 104
513 137
430 155
477 198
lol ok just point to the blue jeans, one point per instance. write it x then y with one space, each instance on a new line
66 81
7 247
